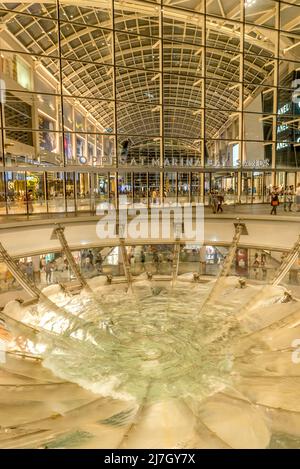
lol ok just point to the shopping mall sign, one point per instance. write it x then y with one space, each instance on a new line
189 162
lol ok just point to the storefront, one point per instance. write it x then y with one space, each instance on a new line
73 191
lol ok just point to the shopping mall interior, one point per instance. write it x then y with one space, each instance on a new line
149 224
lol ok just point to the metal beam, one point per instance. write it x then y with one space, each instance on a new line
240 229
126 264
280 274
74 321
175 264
19 275
58 233
287 263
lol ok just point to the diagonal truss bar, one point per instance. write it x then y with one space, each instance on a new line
125 262
29 287
175 264
239 229
60 235
287 263
282 271
15 270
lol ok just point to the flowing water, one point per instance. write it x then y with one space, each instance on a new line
154 343
153 367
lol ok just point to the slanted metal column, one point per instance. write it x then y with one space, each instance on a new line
126 264
287 263
240 229
34 291
15 270
58 233
175 264
231 253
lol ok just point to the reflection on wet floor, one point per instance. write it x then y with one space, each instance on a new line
260 209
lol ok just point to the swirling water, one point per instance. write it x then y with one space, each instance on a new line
153 344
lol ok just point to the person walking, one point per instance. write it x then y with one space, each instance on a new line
48 270
220 200
154 197
214 201
274 203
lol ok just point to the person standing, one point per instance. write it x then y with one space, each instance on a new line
30 202
99 261
154 197
274 203
90 256
263 269
156 261
256 265
288 199
143 259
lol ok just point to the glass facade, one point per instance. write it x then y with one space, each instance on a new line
155 100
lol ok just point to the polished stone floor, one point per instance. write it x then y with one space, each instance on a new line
230 209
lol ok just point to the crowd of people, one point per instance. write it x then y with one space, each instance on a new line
58 269
286 195
259 264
